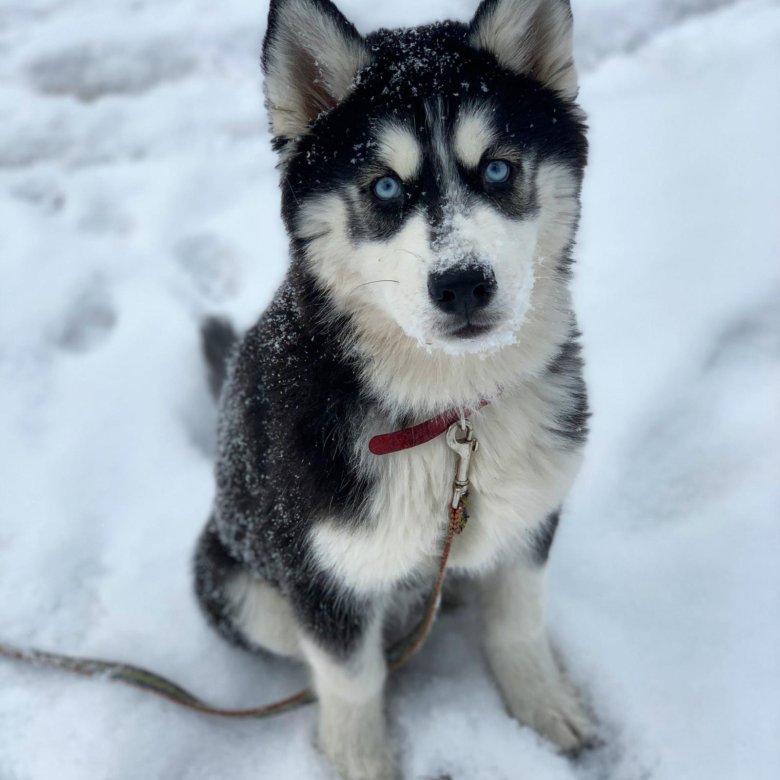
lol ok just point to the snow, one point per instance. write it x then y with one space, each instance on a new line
137 193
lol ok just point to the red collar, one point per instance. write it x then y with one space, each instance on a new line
387 443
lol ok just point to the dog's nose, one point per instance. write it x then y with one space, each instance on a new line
462 291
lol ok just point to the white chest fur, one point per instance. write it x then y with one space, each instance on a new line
521 473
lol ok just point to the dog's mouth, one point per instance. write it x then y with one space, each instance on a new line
467 337
471 330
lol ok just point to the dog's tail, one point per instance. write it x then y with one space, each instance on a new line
218 338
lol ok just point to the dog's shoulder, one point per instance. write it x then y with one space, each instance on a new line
290 412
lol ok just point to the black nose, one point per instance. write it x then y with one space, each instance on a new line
462 291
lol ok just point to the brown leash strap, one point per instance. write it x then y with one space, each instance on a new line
145 680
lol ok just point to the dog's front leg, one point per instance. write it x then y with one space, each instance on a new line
534 687
352 729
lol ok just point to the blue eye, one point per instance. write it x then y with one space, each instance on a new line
387 188
496 172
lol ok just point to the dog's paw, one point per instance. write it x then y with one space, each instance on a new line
356 763
557 715
538 695
367 769
357 747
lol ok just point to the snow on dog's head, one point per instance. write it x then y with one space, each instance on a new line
430 176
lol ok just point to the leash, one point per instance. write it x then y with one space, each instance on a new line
460 439
143 679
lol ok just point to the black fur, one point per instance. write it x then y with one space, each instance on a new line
218 339
213 569
572 424
543 537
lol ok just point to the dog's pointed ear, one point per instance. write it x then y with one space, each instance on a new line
529 37
311 56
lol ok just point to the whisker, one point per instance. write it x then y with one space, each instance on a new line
376 281
316 236
292 192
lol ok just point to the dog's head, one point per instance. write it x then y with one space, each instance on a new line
430 176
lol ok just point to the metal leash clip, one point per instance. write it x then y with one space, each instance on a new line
460 439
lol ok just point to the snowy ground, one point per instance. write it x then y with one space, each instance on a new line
137 193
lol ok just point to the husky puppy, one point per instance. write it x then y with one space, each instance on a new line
430 184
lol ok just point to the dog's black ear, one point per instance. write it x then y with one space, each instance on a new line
530 37
311 56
